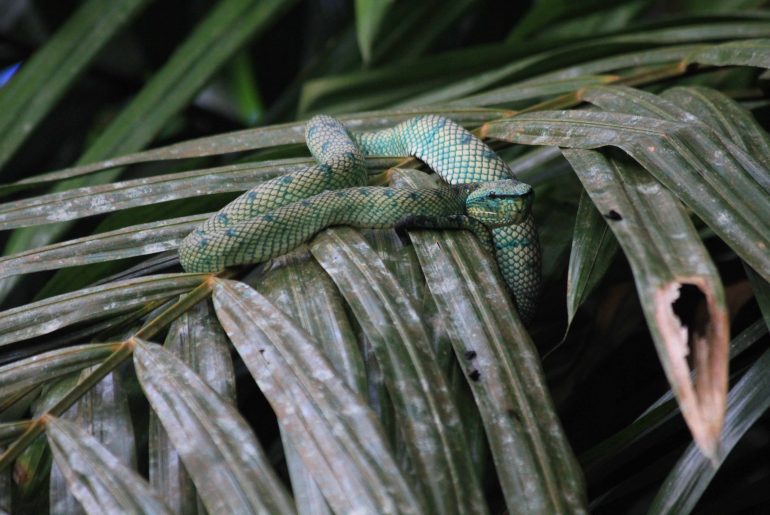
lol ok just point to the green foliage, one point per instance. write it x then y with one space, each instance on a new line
378 371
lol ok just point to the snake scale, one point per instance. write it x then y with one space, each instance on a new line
280 214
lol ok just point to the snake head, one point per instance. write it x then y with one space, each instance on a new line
500 203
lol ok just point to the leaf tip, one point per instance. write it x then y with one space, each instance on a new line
704 346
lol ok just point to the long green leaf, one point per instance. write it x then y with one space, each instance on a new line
401 263
534 462
666 254
752 52
453 75
219 449
337 435
50 365
619 62
550 59
224 30
593 248
547 12
254 139
197 339
95 477
298 285
35 462
749 399
532 90
136 240
612 18
93 303
50 72
369 17
725 116
6 497
761 293
418 26
103 412
715 136
105 198
616 451
724 193
399 339
32 470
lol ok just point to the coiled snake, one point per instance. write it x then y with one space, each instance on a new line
280 214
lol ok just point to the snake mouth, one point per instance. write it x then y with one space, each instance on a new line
493 195
498 218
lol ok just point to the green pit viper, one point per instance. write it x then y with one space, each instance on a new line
280 214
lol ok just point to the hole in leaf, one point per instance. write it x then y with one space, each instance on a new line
690 308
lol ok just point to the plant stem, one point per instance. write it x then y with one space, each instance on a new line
122 352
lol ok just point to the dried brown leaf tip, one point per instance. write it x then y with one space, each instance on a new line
701 346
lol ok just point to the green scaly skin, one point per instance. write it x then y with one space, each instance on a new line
278 215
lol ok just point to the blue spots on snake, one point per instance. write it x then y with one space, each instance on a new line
489 153
514 243
434 130
454 153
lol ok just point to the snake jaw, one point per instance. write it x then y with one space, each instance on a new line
500 203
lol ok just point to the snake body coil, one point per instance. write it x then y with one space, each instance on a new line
280 214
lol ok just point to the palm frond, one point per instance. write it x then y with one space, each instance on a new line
398 375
